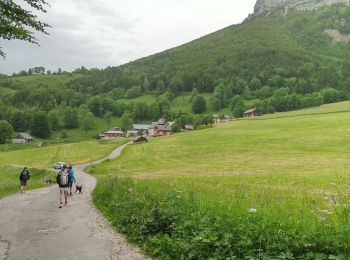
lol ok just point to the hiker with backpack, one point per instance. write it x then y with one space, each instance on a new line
62 180
23 178
71 179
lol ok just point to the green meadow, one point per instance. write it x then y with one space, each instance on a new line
9 179
275 187
71 153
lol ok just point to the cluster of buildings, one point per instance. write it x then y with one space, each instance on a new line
163 128
158 128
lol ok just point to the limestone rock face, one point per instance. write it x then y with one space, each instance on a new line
263 7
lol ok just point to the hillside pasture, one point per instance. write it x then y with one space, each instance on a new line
266 188
71 153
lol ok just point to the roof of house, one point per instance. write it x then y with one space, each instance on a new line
140 127
114 132
139 138
24 136
251 110
164 128
115 129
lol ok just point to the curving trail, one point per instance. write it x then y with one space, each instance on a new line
33 227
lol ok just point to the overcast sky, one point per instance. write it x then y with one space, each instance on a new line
101 33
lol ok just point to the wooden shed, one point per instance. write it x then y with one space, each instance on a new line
252 112
22 138
139 139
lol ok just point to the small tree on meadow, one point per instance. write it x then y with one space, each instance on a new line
199 105
40 125
108 118
126 121
88 122
6 131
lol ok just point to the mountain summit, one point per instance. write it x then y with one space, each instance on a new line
263 7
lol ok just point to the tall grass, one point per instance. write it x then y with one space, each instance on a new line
182 219
9 179
251 189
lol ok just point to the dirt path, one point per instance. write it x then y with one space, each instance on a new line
33 227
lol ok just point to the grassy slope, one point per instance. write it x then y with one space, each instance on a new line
48 80
9 179
47 156
278 166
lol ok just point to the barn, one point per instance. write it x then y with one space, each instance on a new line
253 112
22 138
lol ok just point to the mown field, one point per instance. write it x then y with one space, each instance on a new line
276 187
72 153
9 179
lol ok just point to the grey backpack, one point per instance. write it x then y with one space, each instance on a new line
63 178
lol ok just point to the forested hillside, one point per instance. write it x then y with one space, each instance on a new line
279 62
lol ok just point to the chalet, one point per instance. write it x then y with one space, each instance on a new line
189 127
160 128
113 133
139 139
225 119
216 119
252 112
221 119
141 129
22 138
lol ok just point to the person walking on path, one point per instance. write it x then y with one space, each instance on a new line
62 180
71 179
23 178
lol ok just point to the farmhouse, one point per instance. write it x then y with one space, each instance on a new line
22 138
139 139
141 129
216 119
113 133
160 128
252 112
221 119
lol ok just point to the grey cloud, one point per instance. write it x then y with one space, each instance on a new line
99 33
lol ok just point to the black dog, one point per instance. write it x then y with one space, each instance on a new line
79 188
50 182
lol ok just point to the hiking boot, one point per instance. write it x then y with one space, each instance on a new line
71 193
60 205
65 203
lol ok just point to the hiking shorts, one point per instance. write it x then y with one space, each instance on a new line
62 189
23 182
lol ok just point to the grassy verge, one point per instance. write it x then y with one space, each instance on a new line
250 189
9 179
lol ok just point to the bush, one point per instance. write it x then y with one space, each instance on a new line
199 105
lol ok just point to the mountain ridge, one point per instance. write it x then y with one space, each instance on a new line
264 7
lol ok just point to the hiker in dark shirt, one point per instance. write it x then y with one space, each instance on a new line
23 179
63 184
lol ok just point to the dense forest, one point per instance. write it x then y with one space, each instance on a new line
278 63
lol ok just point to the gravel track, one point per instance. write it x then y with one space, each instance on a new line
33 227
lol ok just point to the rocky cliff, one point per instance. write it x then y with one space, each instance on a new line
263 7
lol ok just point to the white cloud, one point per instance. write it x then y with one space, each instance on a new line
98 33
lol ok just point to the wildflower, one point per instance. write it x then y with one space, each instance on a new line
252 210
